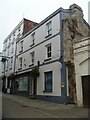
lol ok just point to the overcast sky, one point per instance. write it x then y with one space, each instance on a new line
13 11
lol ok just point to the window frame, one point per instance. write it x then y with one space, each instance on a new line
32 54
11 62
48 81
20 63
49 28
21 46
49 53
33 39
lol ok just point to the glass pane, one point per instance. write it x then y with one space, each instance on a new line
48 80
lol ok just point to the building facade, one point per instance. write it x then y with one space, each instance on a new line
82 68
9 50
44 65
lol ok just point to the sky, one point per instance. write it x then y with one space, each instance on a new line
13 11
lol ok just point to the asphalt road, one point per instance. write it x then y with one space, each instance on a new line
14 109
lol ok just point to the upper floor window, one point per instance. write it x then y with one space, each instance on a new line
19 28
49 28
9 44
12 48
21 46
33 39
10 38
48 51
11 61
20 63
14 34
5 45
18 36
32 57
8 52
7 65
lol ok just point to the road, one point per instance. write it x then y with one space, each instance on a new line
14 109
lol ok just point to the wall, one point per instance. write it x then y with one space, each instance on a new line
81 60
40 55
74 30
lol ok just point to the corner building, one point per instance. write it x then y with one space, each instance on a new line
49 47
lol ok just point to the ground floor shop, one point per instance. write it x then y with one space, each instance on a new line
49 85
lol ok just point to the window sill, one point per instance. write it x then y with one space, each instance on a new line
48 35
47 59
32 44
20 51
10 69
19 68
47 91
31 65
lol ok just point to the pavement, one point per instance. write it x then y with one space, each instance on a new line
36 103
55 109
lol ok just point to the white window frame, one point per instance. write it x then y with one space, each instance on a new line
20 63
49 28
33 38
11 62
21 46
48 52
12 48
32 54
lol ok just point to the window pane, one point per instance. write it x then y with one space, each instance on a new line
48 80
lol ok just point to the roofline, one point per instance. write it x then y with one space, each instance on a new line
14 30
86 23
45 20
17 27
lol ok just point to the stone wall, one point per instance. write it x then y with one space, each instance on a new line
74 29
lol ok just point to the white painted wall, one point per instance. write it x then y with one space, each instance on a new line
40 55
81 60
7 49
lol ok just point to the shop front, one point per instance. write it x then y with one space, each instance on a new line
22 84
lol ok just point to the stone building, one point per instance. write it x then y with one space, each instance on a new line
82 70
75 30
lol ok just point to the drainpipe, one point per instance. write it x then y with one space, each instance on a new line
15 56
14 67
63 68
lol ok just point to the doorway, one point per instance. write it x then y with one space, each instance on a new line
86 90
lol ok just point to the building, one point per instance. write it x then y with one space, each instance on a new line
0 64
0 72
9 50
44 59
82 69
